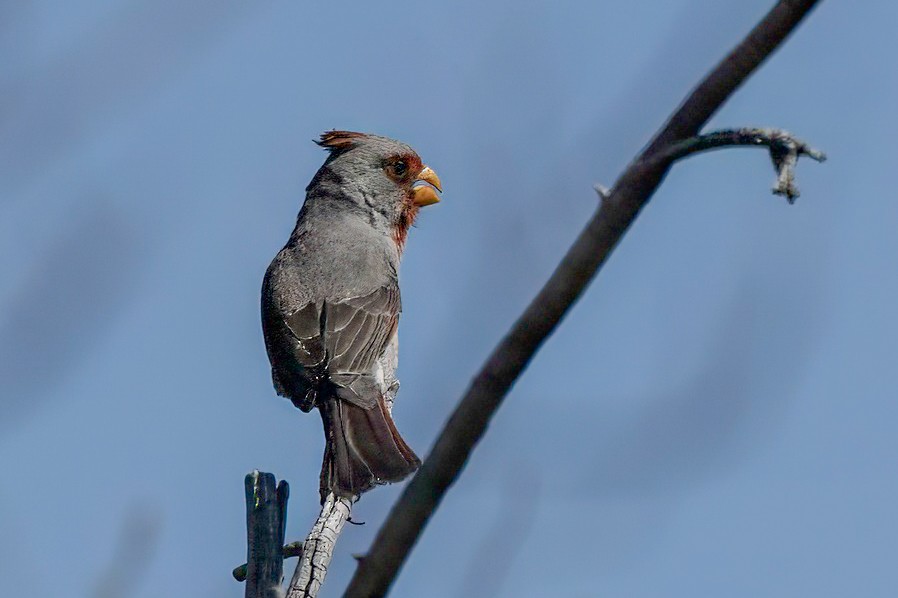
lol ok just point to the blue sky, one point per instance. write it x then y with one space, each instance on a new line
716 416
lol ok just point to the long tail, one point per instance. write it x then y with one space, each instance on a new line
363 449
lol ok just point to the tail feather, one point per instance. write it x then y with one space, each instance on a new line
363 448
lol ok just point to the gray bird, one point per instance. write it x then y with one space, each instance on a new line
330 305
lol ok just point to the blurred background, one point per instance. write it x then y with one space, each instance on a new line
716 417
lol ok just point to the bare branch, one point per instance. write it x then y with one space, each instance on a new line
630 194
784 152
290 550
318 549
266 510
266 520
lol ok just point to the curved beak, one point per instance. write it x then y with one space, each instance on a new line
427 185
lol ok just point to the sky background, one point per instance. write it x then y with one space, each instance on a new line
716 416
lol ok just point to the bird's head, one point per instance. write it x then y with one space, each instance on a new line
380 175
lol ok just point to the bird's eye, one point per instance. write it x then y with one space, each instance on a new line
400 168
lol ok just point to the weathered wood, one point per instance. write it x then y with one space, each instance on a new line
266 522
318 549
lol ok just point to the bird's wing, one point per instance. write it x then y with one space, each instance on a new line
344 339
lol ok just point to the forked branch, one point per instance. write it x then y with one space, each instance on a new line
591 249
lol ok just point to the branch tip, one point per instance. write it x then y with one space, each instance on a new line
784 149
266 518
603 192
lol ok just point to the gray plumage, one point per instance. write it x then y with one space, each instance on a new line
331 305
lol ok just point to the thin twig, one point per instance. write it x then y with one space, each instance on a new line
591 249
784 152
290 550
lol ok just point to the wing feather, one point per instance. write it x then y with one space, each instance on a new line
343 340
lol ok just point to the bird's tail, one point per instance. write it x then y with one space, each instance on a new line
363 448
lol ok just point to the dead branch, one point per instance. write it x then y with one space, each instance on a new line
318 549
290 550
591 249
266 521
784 152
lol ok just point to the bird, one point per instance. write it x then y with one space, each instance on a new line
331 305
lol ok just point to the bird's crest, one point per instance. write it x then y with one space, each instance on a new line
334 141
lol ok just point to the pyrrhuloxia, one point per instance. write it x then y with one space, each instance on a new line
330 305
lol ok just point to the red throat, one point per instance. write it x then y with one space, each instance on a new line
404 222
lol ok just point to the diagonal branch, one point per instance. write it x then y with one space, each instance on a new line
591 249
318 549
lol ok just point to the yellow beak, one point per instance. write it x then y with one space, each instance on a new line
426 194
